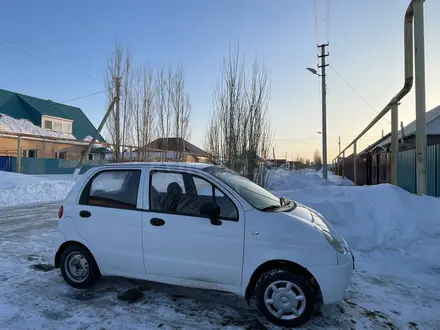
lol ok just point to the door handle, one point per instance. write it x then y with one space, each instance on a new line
157 222
84 214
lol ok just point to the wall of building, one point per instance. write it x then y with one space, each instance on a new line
8 147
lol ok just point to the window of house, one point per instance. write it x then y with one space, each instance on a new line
30 153
48 124
91 156
60 154
114 189
67 128
57 126
183 193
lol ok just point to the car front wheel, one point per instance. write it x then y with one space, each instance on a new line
78 267
284 298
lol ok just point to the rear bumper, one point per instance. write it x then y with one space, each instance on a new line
333 280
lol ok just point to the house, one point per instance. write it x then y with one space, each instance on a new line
166 149
44 125
374 162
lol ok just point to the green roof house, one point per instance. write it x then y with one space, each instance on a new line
50 116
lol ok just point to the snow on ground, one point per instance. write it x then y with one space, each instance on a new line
21 189
394 236
24 126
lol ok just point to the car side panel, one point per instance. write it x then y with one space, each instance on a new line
287 240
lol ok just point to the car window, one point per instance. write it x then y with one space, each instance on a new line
203 187
227 207
183 193
161 181
115 189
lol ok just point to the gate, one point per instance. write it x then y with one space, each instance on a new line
7 164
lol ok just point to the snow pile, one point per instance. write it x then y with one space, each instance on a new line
287 180
382 217
24 126
19 189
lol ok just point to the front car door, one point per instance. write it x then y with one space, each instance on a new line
108 219
181 246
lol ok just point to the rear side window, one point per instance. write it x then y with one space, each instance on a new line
114 189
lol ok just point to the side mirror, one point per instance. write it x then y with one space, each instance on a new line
211 210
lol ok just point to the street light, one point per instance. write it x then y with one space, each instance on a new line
324 115
313 71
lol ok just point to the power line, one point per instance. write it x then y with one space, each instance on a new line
83 97
340 77
17 41
38 58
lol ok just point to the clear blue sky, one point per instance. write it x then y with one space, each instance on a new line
366 48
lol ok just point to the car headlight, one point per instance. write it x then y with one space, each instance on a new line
333 242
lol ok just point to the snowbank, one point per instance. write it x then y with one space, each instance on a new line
19 189
12 125
284 179
382 217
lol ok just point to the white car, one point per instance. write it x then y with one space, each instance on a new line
202 226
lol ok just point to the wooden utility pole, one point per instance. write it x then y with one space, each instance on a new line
118 120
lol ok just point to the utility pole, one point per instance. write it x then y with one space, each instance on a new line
118 120
339 142
324 108
92 141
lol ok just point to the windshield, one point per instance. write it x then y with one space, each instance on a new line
255 195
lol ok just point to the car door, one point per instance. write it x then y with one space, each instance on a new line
108 219
182 244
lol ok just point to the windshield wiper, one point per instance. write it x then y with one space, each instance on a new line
271 208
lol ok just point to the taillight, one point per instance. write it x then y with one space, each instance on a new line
60 212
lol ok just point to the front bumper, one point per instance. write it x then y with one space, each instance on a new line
334 280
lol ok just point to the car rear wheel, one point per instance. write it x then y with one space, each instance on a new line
78 267
284 298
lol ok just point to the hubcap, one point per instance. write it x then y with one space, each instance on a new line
285 300
77 267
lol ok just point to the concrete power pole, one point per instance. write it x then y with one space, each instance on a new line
322 56
98 132
118 120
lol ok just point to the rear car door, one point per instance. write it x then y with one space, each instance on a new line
108 219
180 243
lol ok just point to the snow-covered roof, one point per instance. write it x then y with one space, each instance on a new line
24 126
410 129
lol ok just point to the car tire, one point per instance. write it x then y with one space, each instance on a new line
78 267
284 298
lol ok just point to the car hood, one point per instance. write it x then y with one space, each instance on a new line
309 216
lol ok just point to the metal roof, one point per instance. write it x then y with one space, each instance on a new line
410 129
21 106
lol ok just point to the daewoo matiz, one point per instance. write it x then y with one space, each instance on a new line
202 226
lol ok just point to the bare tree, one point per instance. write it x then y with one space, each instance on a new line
181 110
143 106
239 132
317 160
120 64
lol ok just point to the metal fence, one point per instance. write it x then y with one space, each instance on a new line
376 169
45 165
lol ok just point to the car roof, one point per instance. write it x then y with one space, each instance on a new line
168 165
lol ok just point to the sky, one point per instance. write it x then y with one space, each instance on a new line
58 50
